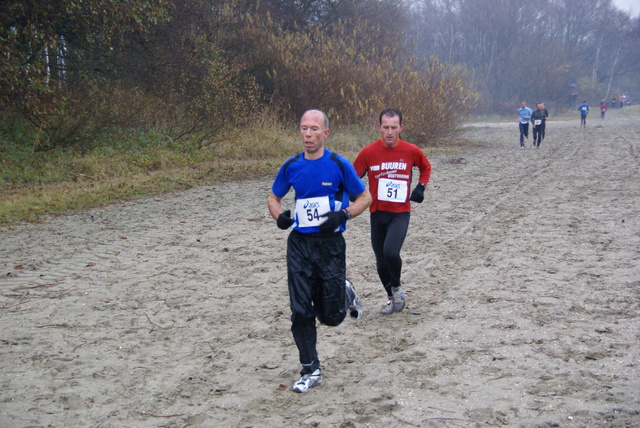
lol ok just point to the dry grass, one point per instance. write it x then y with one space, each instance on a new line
29 202
103 177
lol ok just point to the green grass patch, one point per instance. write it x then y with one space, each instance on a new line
35 183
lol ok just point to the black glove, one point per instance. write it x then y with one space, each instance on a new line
418 193
284 220
334 219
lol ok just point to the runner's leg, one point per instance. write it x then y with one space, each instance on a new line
303 315
378 236
333 301
396 233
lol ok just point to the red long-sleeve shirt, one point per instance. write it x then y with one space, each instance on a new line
389 171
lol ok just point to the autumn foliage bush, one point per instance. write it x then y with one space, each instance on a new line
347 73
190 69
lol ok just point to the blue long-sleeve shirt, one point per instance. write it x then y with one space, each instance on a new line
584 109
525 114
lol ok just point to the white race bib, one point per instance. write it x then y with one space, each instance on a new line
538 121
392 190
309 211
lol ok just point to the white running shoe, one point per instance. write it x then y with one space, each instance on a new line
387 308
355 308
308 381
398 299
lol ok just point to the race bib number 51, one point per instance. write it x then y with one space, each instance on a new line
392 190
309 211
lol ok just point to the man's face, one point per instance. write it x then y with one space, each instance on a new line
524 104
390 129
313 132
540 105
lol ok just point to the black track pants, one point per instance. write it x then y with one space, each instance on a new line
538 135
316 269
388 231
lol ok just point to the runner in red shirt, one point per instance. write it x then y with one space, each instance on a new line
389 162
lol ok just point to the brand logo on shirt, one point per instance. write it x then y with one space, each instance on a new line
393 165
327 183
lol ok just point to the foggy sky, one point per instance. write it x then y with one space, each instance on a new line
625 5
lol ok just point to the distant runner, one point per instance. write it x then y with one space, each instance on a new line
584 110
539 119
524 115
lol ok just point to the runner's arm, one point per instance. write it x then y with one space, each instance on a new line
424 166
273 203
361 203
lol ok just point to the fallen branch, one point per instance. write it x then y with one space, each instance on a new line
453 419
162 416
155 325
406 422
55 325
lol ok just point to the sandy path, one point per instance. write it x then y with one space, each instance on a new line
523 275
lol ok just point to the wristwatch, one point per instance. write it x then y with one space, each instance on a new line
348 213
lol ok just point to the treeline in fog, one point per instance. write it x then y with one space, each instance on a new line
516 49
74 71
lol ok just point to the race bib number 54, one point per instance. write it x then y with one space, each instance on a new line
392 190
309 210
